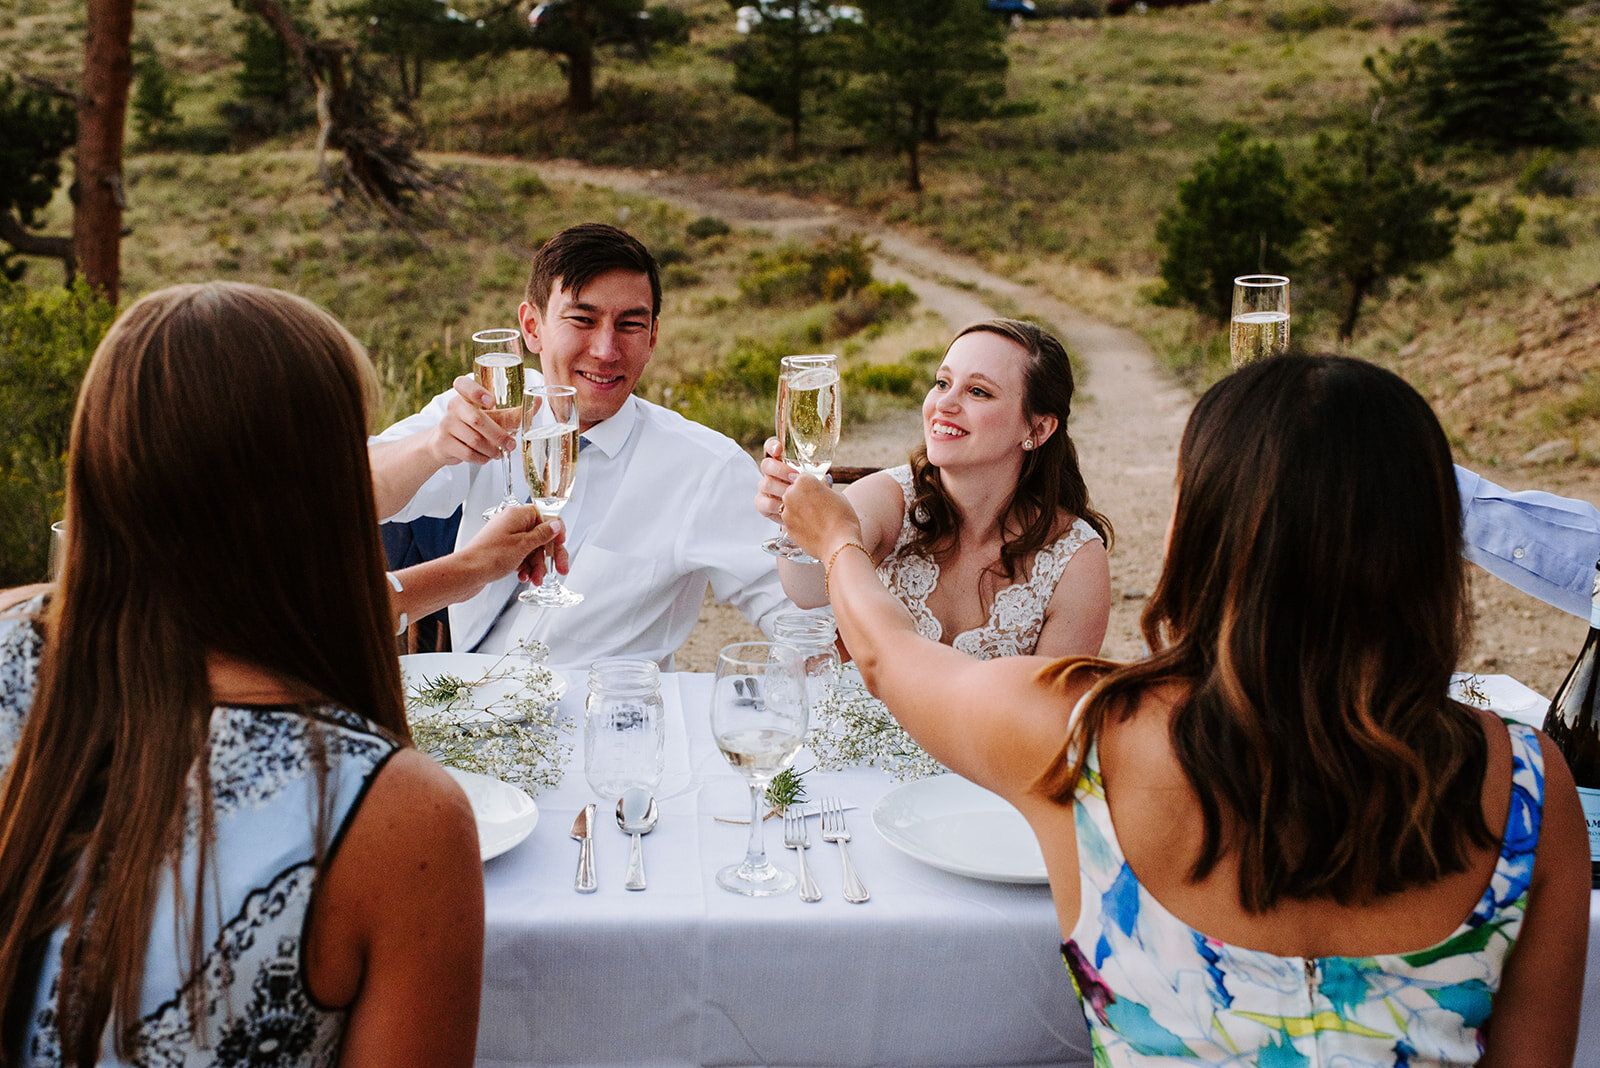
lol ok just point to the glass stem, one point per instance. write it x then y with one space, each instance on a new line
755 852
506 455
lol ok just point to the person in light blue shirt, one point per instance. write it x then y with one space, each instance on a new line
1541 543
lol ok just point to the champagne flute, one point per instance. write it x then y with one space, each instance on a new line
497 364
1260 326
758 717
809 413
550 460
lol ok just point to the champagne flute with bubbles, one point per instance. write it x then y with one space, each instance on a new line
497 365
1260 326
550 460
809 413
758 717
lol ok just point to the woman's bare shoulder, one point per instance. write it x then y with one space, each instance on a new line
881 504
17 595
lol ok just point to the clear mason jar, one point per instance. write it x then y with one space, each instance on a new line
624 727
812 633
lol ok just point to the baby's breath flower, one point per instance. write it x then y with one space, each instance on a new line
856 728
523 740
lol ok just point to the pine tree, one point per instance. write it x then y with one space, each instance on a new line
1504 69
1234 215
1375 218
921 62
790 59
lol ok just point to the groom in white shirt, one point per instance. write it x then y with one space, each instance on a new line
660 507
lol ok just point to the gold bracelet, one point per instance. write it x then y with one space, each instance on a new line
827 572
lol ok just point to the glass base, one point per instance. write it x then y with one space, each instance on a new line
557 596
509 502
755 880
781 545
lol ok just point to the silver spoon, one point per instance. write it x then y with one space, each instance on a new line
636 815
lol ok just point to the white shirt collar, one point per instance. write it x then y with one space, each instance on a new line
610 435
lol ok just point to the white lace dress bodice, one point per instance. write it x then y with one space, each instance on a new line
259 1009
1017 615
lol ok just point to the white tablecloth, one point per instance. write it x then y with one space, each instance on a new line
935 969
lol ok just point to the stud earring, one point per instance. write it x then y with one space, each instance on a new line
1028 444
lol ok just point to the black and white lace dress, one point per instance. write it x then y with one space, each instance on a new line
259 1010
1017 615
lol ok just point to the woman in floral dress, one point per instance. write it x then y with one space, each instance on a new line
1277 840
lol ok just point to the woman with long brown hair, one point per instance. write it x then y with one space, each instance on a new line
216 842
1277 835
987 535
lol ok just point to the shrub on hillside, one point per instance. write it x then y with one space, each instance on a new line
707 226
1308 18
46 339
1548 176
792 273
874 303
1496 224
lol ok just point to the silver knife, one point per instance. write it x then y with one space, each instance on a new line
585 882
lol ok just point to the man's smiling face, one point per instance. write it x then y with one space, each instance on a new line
598 340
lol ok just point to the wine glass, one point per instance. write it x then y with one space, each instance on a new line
624 733
808 418
497 364
1260 326
758 717
550 460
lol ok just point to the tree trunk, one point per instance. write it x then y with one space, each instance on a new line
913 151
580 77
1358 293
102 115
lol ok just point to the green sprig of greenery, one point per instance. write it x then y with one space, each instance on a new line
786 788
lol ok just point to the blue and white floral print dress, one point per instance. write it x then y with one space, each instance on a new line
259 1010
1156 991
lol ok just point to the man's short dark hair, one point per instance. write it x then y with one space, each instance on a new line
579 254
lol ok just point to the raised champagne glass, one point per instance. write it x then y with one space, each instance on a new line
758 718
497 365
809 414
1260 325
550 460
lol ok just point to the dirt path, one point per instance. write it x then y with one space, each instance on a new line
1128 421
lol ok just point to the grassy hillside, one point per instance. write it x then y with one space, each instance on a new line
1066 196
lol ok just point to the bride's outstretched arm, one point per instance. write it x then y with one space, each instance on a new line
991 721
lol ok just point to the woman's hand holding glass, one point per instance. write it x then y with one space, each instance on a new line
497 366
517 540
818 517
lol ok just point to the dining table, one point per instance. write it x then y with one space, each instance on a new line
936 968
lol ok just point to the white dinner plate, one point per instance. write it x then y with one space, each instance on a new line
470 667
505 814
960 827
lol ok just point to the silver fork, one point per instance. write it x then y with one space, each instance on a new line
795 837
834 830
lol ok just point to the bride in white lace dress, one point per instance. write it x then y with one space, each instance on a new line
987 536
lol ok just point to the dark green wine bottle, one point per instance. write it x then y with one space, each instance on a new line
1573 723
